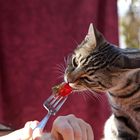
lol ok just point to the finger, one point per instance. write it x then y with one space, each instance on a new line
34 124
30 132
82 125
27 124
87 132
62 127
76 128
90 135
26 132
37 133
31 124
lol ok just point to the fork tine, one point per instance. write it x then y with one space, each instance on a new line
57 101
53 101
52 104
50 98
61 103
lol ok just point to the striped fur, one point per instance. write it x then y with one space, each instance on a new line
99 66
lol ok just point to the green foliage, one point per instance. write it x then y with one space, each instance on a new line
131 27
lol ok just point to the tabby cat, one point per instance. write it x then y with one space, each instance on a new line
100 66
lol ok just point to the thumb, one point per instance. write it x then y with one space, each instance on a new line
37 133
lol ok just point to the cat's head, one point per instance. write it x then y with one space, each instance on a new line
87 67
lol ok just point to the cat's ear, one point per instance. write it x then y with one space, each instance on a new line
90 37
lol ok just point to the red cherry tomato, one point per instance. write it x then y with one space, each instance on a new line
62 89
65 89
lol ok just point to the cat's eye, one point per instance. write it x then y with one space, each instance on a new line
74 62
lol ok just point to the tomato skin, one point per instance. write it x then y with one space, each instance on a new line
62 89
65 90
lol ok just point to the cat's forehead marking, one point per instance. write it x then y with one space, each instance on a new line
83 51
85 48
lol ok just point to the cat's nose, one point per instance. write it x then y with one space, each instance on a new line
72 77
65 78
69 79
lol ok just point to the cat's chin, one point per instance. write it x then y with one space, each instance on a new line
80 88
76 87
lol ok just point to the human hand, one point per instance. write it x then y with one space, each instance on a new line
71 128
64 128
28 132
25 133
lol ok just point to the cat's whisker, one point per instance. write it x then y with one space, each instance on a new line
68 59
98 97
75 41
62 67
84 97
91 96
101 97
88 93
75 92
84 94
65 62
61 77
59 72
59 68
94 94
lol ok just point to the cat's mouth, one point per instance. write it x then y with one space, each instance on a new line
75 86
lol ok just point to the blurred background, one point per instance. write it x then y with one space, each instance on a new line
35 38
129 23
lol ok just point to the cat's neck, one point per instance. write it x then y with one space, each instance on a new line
129 59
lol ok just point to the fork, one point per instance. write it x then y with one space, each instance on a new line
52 105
